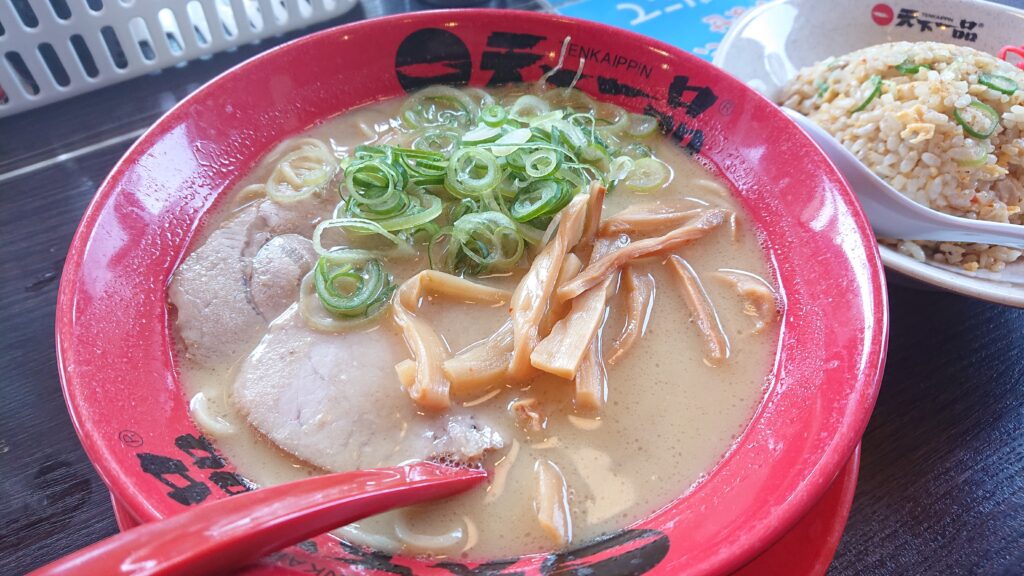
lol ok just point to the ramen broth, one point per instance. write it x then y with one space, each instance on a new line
670 415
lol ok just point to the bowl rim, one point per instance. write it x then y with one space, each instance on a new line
813 485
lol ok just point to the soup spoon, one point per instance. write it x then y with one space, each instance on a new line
893 215
217 537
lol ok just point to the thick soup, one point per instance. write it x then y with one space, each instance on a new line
523 280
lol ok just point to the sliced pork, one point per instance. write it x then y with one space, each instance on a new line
219 309
333 400
277 272
217 320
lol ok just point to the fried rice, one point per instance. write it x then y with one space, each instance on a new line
943 124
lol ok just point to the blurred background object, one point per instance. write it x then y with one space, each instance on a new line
56 49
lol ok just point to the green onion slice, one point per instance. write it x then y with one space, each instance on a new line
362 241
594 153
376 184
647 174
641 125
586 123
301 172
424 208
909 68
472 172
547 121
463 207
541 163
979 120
540 199
438 106
569 98
509 143
440 141
1002 84
868 92
490 240
352 291
636 151
319 318
617 121
978 160
528 106
570 135
425 231
494 115
424 168
620 167
481 134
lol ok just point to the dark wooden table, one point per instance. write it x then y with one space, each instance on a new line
942 480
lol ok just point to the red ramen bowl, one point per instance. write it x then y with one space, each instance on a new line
114 338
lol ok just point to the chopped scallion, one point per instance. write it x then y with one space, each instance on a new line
528 106
1001 84
352 290
908 68
868 92
542 198
493 115
438 106
979 120
472 172
484 242
647 174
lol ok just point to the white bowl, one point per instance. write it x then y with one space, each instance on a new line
769 44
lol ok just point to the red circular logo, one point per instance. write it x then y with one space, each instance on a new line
881 14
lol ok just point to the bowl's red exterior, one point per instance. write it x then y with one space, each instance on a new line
113 336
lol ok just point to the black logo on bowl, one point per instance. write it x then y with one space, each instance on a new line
507 55
626 552
185 481
963 29
435 56
432 56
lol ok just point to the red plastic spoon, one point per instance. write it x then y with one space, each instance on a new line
1018 50
216 537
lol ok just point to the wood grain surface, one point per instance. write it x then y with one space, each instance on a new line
942 480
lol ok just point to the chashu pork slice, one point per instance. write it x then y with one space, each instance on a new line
334 401
230 287
215 316
277 272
